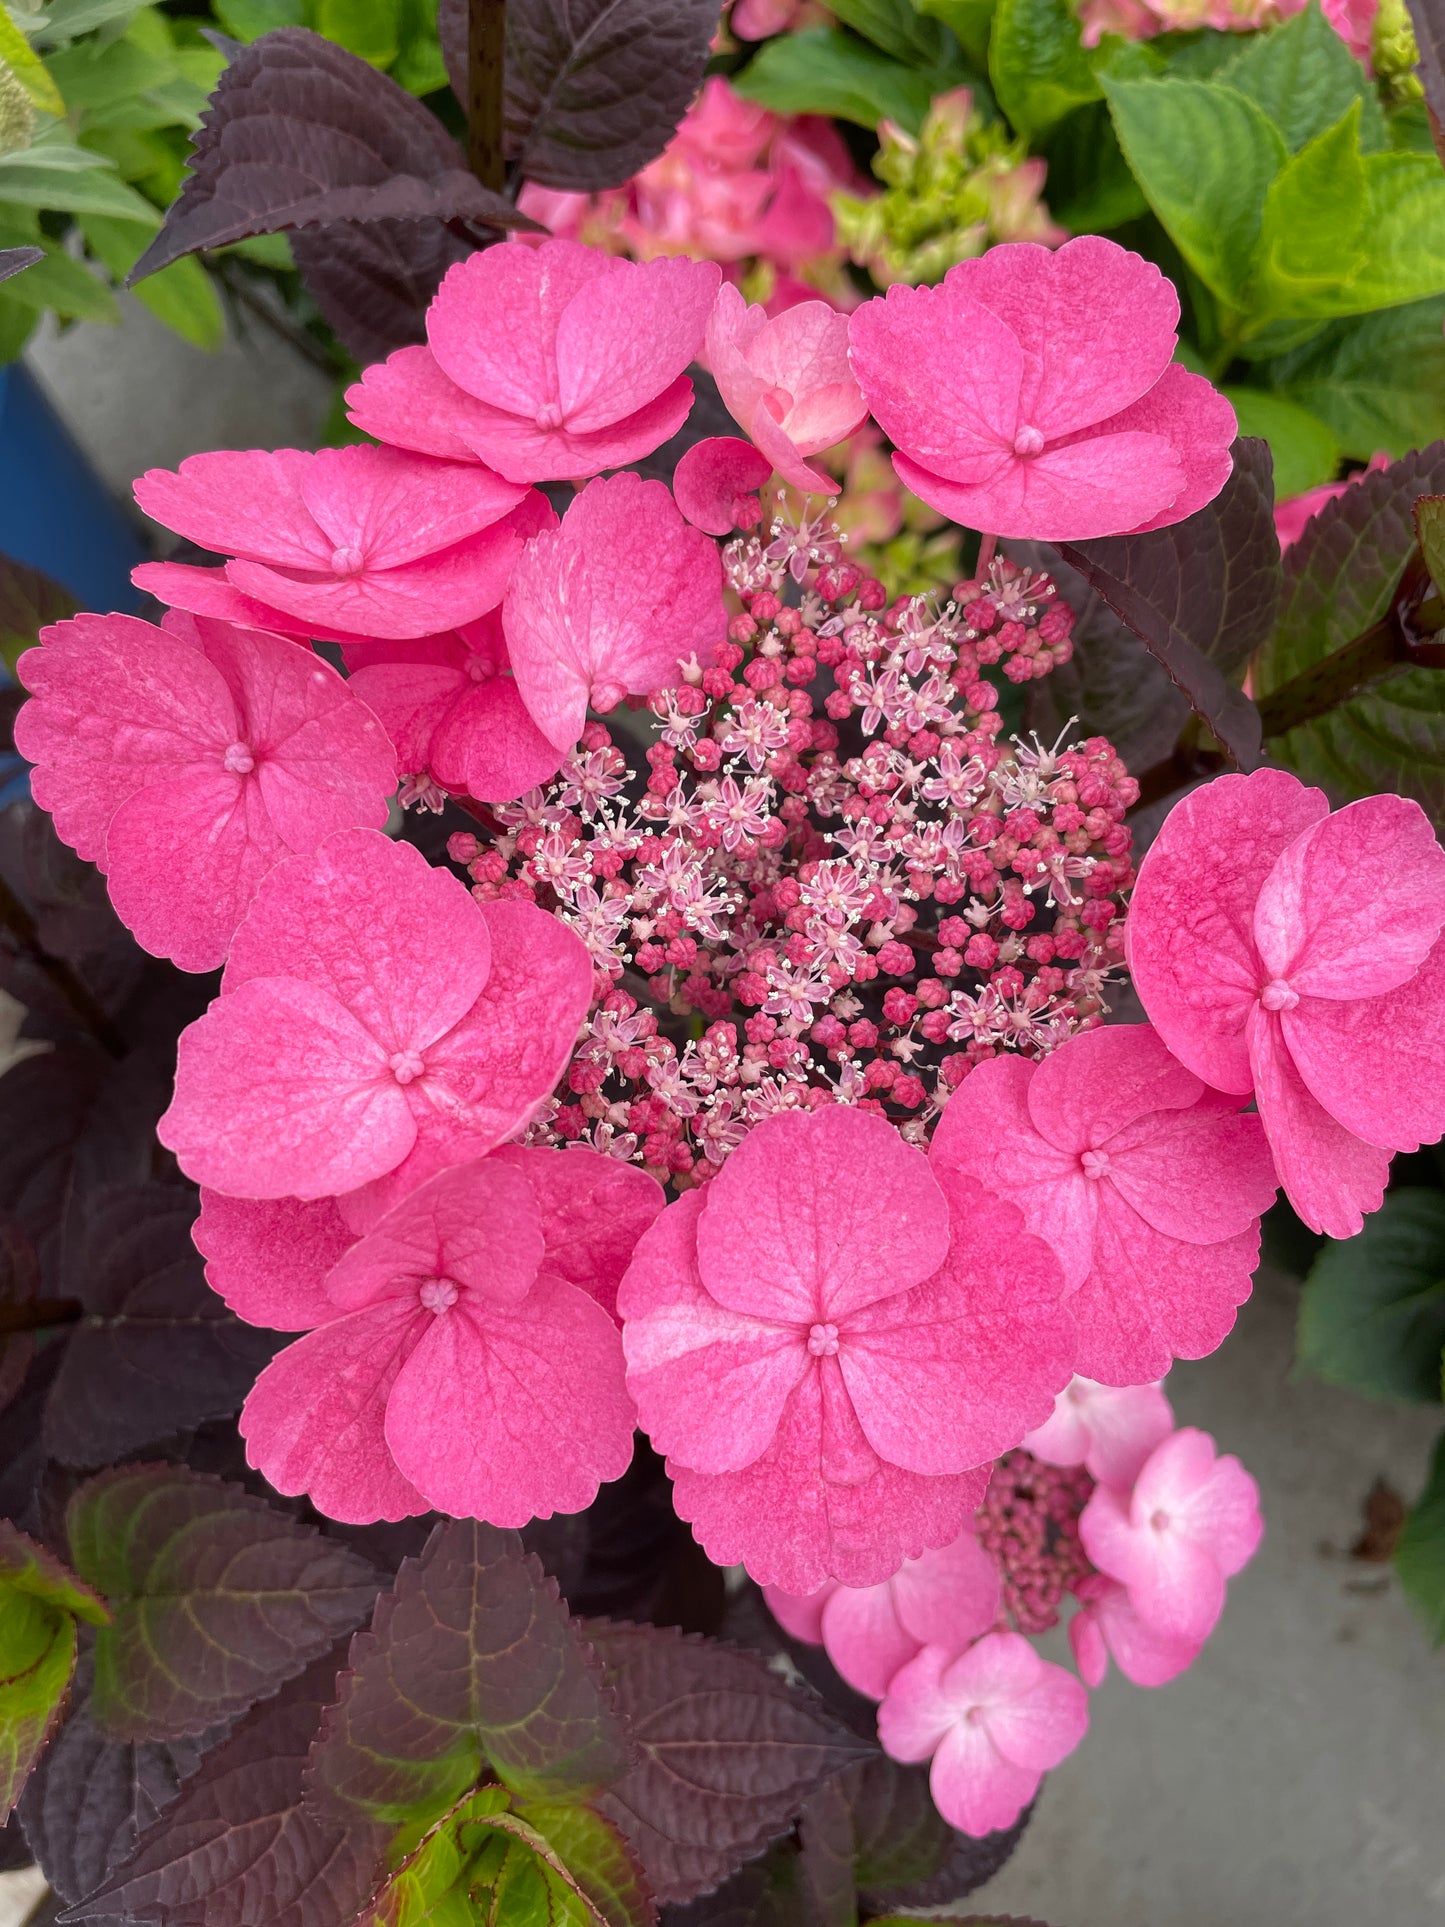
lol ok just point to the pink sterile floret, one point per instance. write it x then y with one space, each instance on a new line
716 484
454 712
828 1343
362 541
372 1013
1033 394
1108 1624
187 761
1191 1522
1283 950
993 1721
610 604
1109 1430
786 382
456 1367
548 363
1148 1186
944 1598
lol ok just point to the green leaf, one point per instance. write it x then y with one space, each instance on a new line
1304 448
1090 188
183 295
899 29
96 74
1312 236
1204 156
1379 381
969 20
825 71
368 28
70 180
40 1602
599 1859
17 324
1430 530
28 68
1372 1318
1037 63
66 20
1420 1555
482 1863
247 20
1305 78
67 287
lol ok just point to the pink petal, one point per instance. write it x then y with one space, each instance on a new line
711 1384
519 449
782 452
1086 1640
1199 425
396 508
513 1413
788 1232
313 1422
1041 1727
268 1258
206 592
1111 1430
1143 1655
1215 1498
408 402
411 699
624 337
800 1615
489 745
864 1637
280 1092
594 1210
610 604
715 479
1200 1175
1103 483
1101 1081
1190 940
1330 1176
1174 1583
1354 905
915 1715
240 502
804 350
732 328
949 1596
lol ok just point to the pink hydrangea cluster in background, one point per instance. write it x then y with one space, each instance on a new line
1352 20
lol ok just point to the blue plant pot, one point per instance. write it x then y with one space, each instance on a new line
55 512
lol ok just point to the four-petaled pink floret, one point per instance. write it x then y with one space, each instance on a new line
786 382
1109 1430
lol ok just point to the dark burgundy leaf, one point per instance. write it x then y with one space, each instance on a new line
29 601
766 1894
729 1753
825 1837
217 1597
470 1662
594 88
1427 17
300 133
374 280
238 1847
22 1456
44 1104
19 1287
1201 596
156 1351
16 260
14 1853
906 1854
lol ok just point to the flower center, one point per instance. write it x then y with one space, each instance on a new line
823 1341
238 759
1095 1163
479 669
406 1065
606 695
1278 995
347 562
437 1294
549 415
1160 1521
1029 440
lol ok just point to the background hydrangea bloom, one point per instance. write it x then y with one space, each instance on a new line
1281 949
786 382
371 1008
187 761
1148 1186
365 541
548 363
1034 394
825 1344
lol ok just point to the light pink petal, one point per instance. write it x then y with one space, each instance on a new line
1143 1655
789 1233
1201 1174
268 1258
732 328
407 402
1220 1509
1354 905
610 604
864 1638
1190 938
1330 1176
805 351
715 481
1378 1066
207 592
1199 425
974 1787
782 451
710 1384
800 1615
594 1210
1111 1430
1100 1081
1086 1640
823 416
115 704
949 1596
347 918
956 1371
623 338
314 1419
915 1715
393 507
513 1413
1096 323
1102 484
1175 1584
1041 1727
240 502
1063 1438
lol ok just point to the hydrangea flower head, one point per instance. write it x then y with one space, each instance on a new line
992 1720
187 761
1033 394
371 1013
547 363
1110 1430
355 541
785 382
828 1343
1297 954
610 604
1148 1186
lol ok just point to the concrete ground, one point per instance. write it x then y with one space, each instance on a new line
1295 1777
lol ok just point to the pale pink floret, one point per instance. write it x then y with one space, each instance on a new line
1033 394
993 1721
786 382
362 541
1191 1522
457 1369
944 1598
717 481
1298 954
548 363
1108 1430
828 1344
371 1013
610 604
187 761
1107 1624
1148 1186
